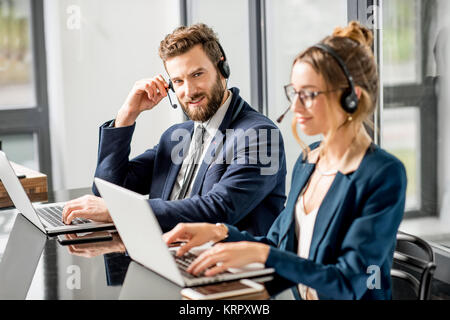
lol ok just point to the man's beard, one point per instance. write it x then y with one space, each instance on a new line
214 99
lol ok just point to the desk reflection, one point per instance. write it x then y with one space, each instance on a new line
34 266
90 250
20 259
114 253
141 283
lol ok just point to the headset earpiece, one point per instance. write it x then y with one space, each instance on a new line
224 68
349 99
223 65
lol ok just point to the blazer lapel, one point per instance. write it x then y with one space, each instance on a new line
330 205
234 108
297 186
175 167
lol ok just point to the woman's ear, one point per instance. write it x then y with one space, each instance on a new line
358 92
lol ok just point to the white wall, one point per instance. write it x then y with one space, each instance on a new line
92 64
229 19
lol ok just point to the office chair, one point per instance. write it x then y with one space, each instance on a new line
413 268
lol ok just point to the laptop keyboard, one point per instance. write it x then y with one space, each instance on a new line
184 262
53 215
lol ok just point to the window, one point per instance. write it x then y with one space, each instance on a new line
287 21
411 75
24 129
401 39
401 136
21 148
16 57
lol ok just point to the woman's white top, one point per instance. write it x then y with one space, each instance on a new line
304 227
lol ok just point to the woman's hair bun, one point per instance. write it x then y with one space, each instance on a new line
356 32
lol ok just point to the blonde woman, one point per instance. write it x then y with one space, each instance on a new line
337 233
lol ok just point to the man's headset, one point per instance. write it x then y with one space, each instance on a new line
349 99
222 65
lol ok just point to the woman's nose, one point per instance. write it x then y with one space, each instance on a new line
296 104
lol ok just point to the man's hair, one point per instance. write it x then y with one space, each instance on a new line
183 38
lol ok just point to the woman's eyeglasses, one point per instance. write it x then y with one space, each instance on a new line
306 97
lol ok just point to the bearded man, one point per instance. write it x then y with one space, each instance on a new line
214 168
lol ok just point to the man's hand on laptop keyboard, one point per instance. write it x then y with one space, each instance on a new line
87 207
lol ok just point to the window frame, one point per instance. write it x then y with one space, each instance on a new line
34 119
258 49
407 95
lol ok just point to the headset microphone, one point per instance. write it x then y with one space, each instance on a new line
174 105
282 116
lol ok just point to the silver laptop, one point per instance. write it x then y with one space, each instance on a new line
47 217
142 236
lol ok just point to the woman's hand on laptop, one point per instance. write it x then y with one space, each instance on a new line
229 255
195 234
87 207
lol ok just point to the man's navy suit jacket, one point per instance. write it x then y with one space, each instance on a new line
232 192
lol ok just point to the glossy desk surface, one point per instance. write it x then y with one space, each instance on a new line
34 266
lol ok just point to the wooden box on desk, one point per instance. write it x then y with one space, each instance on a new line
34 183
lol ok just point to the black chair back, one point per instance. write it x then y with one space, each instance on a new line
413 268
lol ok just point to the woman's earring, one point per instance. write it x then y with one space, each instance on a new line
350 118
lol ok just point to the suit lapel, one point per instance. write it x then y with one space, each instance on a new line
330 205
235 107
297 186
175 167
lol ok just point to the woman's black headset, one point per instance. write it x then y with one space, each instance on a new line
222 65
349 99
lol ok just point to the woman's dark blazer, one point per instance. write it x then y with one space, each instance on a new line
354 235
